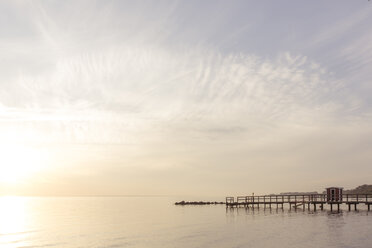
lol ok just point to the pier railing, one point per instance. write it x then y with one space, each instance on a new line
300 198
357 198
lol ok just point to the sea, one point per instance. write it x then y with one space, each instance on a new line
154 221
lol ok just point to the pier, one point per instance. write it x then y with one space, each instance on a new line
296 201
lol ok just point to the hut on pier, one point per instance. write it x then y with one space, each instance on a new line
334 194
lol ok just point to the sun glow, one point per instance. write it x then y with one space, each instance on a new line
18 163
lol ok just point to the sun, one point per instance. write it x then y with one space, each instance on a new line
18 163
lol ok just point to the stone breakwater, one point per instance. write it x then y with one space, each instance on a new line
182 203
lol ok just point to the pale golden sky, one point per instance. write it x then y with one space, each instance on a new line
184 97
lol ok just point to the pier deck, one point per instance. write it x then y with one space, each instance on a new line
300 201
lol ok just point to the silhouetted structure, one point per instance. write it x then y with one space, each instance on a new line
333 196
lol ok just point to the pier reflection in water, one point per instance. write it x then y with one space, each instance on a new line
286 227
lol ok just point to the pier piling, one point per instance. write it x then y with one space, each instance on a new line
295 201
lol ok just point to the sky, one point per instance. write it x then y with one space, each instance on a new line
217 98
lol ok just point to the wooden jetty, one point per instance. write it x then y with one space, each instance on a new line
301 201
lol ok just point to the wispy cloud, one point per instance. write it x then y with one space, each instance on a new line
150 93
140 87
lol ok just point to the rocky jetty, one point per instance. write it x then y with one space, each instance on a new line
182 203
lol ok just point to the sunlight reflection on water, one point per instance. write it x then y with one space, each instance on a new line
13 221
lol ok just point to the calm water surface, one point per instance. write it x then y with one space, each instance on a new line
156 222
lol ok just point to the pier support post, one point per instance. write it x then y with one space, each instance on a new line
368 207
349 207
321 206
338 207
331 207
314 206
355 207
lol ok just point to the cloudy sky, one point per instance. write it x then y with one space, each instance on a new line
184 97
